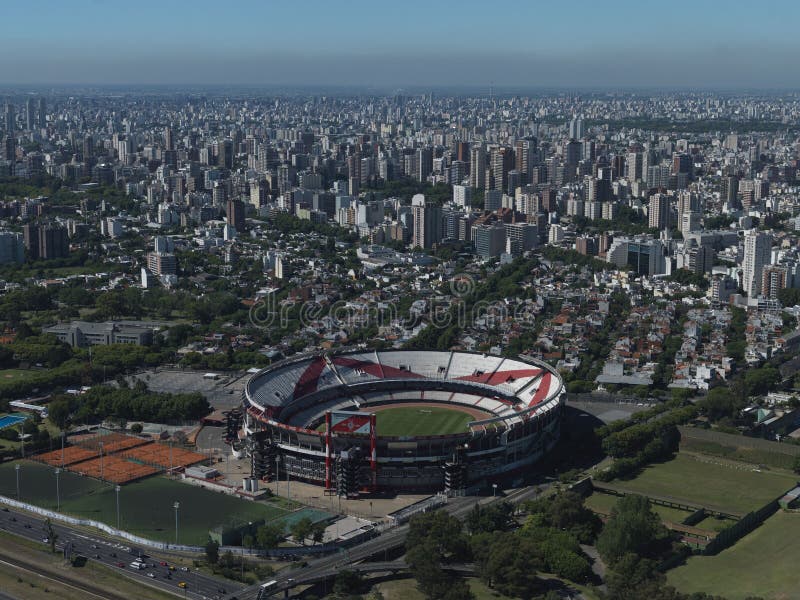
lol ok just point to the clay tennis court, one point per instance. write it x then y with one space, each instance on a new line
125 458
70 456
113 469
164 456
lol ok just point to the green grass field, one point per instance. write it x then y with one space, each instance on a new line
15 374
605 502
723 487
406 589
760 564
414 420
145 506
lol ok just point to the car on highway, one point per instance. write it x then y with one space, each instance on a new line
121 565
163 563
185 569
181 584
151 575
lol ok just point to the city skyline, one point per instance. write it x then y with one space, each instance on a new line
580 45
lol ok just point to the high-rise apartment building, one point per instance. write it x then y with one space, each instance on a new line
757 246
235 212
658 212
424 163
427 222
477 167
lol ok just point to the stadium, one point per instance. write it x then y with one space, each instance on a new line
397 420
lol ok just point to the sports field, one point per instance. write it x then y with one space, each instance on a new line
763 563
724 487
420 420
146 507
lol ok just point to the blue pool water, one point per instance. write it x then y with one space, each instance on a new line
10 420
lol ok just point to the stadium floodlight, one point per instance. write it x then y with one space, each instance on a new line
58 491
117 489
176 506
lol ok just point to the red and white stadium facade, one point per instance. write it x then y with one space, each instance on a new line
313 408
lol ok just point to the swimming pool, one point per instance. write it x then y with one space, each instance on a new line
10 420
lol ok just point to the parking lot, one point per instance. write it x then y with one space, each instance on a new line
222 393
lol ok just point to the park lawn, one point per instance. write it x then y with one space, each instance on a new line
763 563
712 523
415 420
406 589
146 507
16 374
603 503
738 490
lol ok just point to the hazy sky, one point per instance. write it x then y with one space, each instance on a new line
393 43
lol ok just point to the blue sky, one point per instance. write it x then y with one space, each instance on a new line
393 43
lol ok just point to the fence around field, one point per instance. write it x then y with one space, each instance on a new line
69 456
113 469
118 457
739 447
667 501
165 457
111 443
730 535
326 548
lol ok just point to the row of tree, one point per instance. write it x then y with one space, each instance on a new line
131 404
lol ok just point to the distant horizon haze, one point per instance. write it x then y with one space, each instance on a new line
527 45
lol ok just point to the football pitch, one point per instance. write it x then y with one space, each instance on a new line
421 420
146 507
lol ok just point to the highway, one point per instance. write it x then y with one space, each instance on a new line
200 586
119 556
328 566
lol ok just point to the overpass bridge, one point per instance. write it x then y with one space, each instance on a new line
351 559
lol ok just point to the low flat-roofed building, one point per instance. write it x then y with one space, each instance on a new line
82 334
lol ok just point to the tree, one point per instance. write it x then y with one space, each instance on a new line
318 532
509 563
301 529
51 534
347 583
58 412
632 528
495 517
442 530
269 536
212 551
137 428
248 541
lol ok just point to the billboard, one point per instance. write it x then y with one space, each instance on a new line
350 422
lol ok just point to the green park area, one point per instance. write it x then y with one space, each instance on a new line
729 487
760 564
15 374
603 503
146 507
406 589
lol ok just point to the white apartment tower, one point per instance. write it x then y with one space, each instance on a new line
757 246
